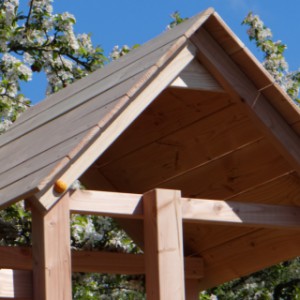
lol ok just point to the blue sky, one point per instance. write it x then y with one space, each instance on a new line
120 22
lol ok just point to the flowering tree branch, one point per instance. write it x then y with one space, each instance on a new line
39 41
274 60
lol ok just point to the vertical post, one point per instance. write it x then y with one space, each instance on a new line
192 289
164 259
51 252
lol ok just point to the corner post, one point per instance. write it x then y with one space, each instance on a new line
192 289
164 260
51 251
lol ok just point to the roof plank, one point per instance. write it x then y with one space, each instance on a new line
141 53
174 154
112 86
240 86
26 186
172 110
231 173
196 77
120 118
227 261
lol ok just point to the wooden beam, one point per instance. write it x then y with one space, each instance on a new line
112 204
163 245
192 289
15 284
120 118
193 210
247 254
51 252
20 258
196 77
240 214
235 82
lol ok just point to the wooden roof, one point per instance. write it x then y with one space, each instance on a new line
190 110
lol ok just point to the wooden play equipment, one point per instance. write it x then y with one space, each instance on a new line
187 141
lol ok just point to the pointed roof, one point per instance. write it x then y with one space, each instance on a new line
191 110
49 136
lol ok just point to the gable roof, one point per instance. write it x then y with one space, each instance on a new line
45 139
192 110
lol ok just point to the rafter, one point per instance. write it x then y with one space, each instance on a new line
241 88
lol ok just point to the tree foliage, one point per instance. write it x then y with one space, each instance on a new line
274 60
37 40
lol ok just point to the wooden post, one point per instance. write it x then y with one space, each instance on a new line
164 261
192 289
51 252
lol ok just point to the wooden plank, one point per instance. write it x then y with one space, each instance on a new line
172 110
155 51
192 289
248 254
106 203
240 214
263 113
63 128
193 210
121 263
296 127
28 185
109 83
283 190
263 81
191 146
51 252
111 263
121 118
229 174
20 258
163 245
172 37
40 161
223 34
195 76
15 284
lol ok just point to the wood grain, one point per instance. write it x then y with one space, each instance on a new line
51 252
163 245
121 117
15 284
196 77
20 258
262 248
175 154
172 110
271 122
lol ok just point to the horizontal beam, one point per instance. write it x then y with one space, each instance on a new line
193 210
240 214
20 258
15 284
120 205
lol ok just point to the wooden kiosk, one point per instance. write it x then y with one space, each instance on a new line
187 141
